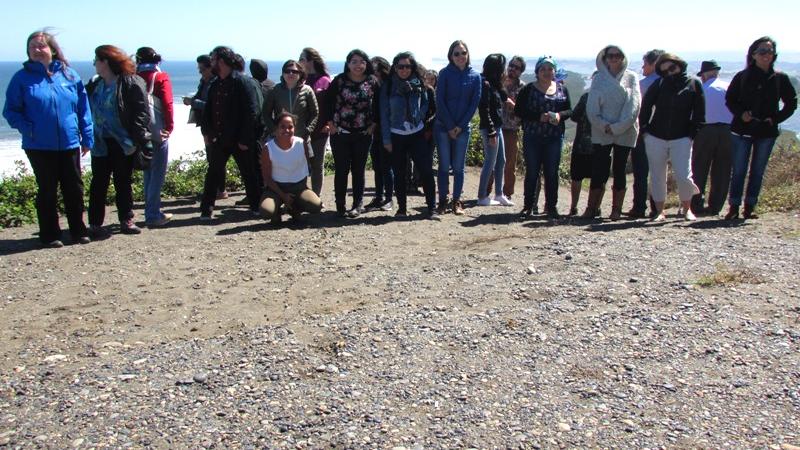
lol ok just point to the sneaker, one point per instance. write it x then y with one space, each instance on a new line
442 208
97 232
660 217
53 244
222 195
432 214
503 200
733 213
690 215
458 208
526 213
83 240
205 217
355 212
374 205
635 213
129 227
749 212
387 205
163 220
487 201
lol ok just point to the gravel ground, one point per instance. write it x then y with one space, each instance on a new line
479 331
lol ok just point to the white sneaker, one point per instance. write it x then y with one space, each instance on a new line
503 200
486 201
690 215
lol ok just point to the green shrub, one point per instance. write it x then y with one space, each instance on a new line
17 197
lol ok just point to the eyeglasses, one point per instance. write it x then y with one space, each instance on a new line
403 66
764 51
458 54
613 55
515 67
291 72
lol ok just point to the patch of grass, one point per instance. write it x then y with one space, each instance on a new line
781 188
725 276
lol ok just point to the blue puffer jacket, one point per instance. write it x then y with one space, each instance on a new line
51 112
404 104
457 95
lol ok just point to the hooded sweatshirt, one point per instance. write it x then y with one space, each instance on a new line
679 103
614 100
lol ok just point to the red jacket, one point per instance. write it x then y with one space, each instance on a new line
163 91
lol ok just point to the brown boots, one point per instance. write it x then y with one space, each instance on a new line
593 203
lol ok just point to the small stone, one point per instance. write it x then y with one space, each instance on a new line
77 442
531 270
332 369
564 427
200 377
184 381
40 438
55 358
126 376
633 280
568 257
789 447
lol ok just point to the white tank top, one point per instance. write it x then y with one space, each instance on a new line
288 166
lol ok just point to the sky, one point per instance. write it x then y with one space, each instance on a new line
181 30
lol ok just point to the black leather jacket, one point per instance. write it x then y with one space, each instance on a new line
134 113
680 107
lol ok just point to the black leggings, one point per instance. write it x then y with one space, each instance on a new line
601 165
350 151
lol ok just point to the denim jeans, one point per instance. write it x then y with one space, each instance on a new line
452 153
382 167
494 161
545 153
154 181
741 148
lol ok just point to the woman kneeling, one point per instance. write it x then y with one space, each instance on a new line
284 165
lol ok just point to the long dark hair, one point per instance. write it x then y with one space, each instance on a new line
55 49
381 67
754 46
452 49
494 67
363 55
313 55
415 67
118 61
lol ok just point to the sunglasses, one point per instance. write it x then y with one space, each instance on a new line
613 55
403 66
670 68
291 72
764 51
458 54
515 67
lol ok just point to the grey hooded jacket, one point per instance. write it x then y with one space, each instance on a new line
615 101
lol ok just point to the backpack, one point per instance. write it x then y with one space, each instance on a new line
156 110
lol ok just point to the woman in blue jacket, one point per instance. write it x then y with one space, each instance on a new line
46 101
457 97
404 106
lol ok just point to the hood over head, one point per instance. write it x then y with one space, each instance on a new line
601 63
670 57
259 69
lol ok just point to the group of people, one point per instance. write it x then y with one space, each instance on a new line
400 115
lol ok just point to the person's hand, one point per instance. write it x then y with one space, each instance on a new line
545 117
165 135
747 117
243 147
510 102
85 150
187 101
454 132
388 147
493 141
608 129
329 128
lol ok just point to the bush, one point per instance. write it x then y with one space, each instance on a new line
17 197
781 188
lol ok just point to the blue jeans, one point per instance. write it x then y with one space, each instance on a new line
494 160
545 153
740 154
154 181
452 153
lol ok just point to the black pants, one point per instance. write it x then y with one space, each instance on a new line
350 151
711 153
641 170
51 168
601 165
382 166
215 175
415 147
119 165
